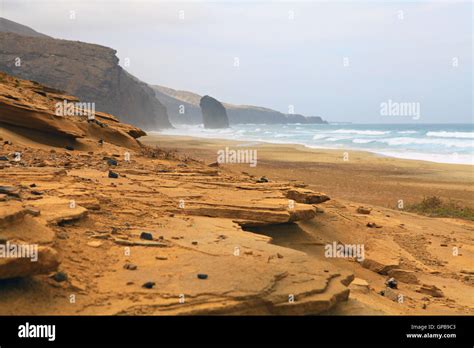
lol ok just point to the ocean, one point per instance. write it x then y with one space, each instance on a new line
443 143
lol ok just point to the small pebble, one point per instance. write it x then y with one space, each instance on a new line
149 285
60 277
146 236
392 283
112 162
130 266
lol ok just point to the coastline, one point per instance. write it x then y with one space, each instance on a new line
438 143
365 177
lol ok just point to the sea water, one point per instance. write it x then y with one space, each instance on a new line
443 143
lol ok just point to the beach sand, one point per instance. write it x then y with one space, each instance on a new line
364 178
424 254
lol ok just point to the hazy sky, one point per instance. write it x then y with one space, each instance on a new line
289 53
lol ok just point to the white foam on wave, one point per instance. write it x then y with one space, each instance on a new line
424 141
320 136
363 141
443 134
431 157
339 138
360 132
408 132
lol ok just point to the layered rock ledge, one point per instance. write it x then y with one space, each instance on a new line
131 229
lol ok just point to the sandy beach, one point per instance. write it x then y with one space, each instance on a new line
422 247
364 178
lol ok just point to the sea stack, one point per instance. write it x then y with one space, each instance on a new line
214 114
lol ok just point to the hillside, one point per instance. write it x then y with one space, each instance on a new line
7 26
62 64
176 101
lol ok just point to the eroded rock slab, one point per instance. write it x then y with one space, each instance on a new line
381 255
13 267
59 210
306 196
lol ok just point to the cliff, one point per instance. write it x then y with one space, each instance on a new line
90 72
183 108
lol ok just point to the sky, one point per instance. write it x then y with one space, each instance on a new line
337 59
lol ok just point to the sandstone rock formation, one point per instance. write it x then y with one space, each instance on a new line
90 72
306 196
29 109
213 113
182 221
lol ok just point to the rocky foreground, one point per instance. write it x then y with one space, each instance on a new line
122 228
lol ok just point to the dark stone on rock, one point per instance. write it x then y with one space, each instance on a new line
373 225
194 242
146 236
70 148
202 276
149 285
101 142
213 164
60 277
113 175
392 283
33 211
3 158
130 266
10 190
214 114
100 124
36 193
33 185
262 179
111 162
364 210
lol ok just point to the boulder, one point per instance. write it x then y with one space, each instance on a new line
306 196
